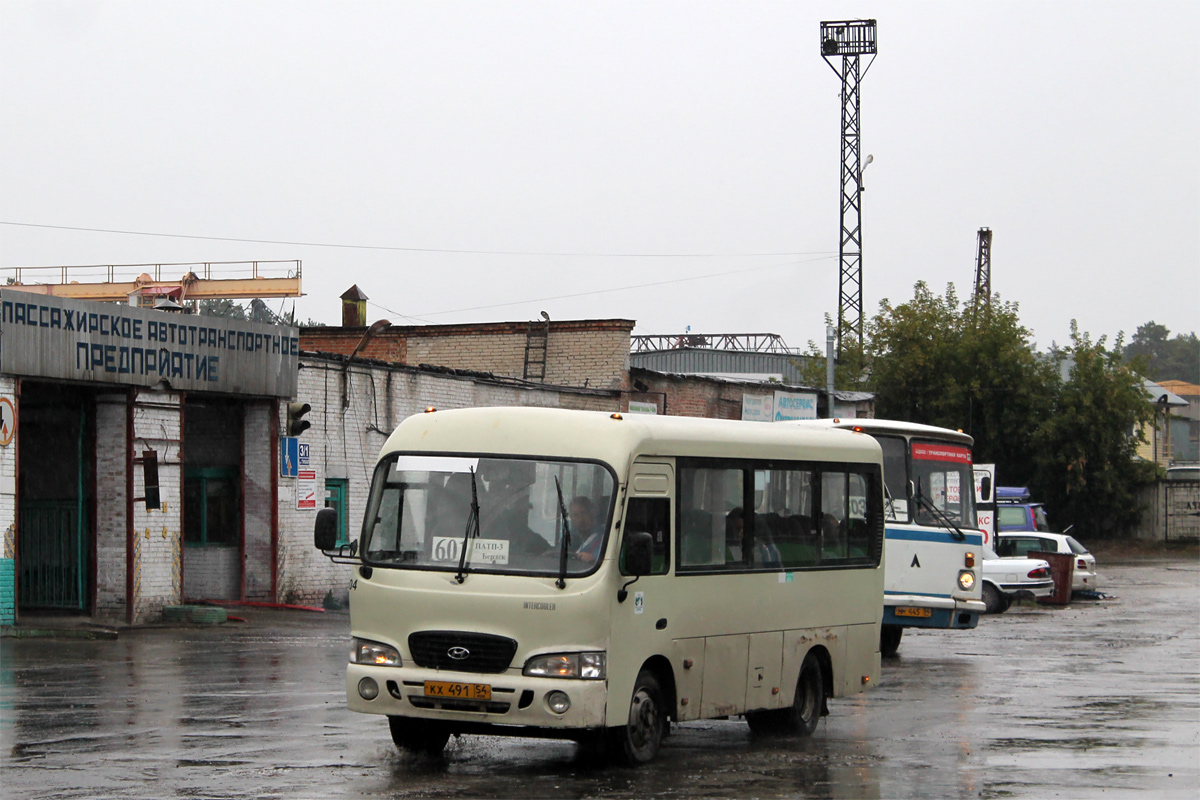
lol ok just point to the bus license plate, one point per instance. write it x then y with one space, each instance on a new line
913 612
461 691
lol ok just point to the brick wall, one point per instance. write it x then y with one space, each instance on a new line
259 469
694 395
158 533
592 353
111 464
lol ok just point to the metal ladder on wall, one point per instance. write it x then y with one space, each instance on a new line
536 339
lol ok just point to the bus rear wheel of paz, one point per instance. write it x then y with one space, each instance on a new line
802 716
638 742
418 735
889 639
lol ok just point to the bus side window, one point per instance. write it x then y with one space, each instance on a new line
652 515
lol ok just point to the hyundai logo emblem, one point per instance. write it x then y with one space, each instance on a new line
459 653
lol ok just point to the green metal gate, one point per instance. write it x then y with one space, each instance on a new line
51 572
52 535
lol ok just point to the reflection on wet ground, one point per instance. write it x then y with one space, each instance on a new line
1098 698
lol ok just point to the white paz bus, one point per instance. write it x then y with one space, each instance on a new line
934 545
594 576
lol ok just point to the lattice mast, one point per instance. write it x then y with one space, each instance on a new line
982 296
850 40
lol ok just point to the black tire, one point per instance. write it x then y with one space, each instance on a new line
638 741
806 708
801 718
418 735
889 640
994 600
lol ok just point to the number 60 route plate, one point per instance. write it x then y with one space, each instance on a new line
461 691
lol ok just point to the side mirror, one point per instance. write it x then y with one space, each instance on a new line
325 531
985 488
639 553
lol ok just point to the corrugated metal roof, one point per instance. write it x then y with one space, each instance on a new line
692 361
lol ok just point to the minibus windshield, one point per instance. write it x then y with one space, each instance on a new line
487 514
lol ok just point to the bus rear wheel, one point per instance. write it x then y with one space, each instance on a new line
638 742
802 716
889 639
418 735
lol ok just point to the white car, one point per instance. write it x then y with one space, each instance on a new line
1019 543
1005 579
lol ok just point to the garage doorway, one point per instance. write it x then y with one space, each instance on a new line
55 531
212 499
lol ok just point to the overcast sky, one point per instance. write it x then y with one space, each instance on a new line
674 163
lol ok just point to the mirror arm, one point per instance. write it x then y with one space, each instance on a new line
621 593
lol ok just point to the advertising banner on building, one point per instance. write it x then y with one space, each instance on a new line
758 407
57 337
795 405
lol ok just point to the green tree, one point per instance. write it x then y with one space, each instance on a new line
222 308
1162 358
1087 470
936 361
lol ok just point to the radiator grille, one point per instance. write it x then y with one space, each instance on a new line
484 652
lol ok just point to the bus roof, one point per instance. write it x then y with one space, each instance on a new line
614 438
896 427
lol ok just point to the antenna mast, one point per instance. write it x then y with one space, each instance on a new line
982 297
850 39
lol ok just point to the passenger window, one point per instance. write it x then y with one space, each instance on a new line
652 515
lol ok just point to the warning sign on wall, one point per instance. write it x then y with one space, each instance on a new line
306 489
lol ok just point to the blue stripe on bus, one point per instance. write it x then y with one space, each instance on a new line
945 537
919 594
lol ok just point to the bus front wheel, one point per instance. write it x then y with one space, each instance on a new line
418 735
638 741
889 639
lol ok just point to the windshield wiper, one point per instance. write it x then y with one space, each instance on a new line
472 531
566 538
937 513
889 503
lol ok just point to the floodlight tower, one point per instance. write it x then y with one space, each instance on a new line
850 39
982 298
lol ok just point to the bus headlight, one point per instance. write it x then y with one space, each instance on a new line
588 666
966 580
365 651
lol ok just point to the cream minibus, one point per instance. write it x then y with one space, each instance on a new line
595 576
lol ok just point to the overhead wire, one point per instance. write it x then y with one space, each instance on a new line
460 251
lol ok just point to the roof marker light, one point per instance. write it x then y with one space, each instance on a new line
617 415
430 409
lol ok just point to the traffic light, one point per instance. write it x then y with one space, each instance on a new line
296 424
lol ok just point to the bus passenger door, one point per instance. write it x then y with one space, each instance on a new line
643 624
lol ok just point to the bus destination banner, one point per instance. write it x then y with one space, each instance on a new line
57 337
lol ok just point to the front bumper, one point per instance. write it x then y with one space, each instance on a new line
516 700
944 612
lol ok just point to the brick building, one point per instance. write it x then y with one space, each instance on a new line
136 460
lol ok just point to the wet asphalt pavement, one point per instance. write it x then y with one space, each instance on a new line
1101 698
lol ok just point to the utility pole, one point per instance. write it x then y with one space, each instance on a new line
850 39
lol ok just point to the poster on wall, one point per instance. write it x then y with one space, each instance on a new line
758 407
795 405
306 490
639 407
